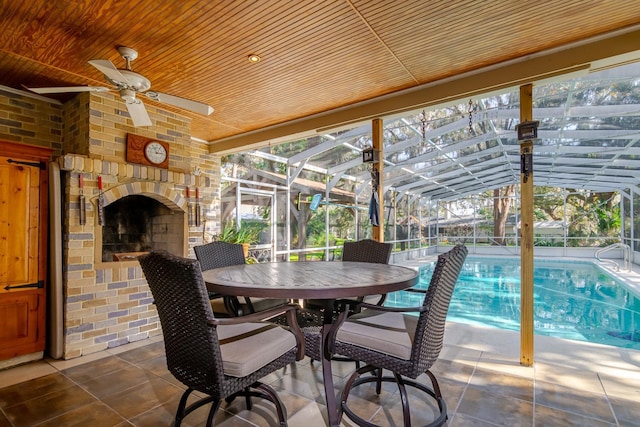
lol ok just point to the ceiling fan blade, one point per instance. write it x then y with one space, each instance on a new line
138 113
42 90
187 104
107 68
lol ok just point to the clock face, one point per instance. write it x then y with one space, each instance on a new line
155 152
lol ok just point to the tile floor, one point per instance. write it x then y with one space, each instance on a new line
570 384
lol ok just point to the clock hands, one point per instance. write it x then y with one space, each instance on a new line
156 152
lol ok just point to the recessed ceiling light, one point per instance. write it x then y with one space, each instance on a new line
253 58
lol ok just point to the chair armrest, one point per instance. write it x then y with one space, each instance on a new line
292 322
253 317
346 304
330 339
294 327
417 309
420 291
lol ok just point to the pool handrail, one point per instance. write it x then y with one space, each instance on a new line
626 256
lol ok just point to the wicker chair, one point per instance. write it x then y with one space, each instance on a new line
221 358
223 254
361 251
366 250
390 338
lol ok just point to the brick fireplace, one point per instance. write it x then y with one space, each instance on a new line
106 300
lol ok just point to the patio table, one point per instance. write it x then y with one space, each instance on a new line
312 280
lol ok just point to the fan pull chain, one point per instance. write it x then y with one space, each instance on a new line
471 110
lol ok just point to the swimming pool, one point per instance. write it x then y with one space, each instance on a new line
572 300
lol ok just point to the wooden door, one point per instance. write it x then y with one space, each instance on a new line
23 240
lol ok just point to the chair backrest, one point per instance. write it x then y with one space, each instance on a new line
429 335
219 254
181 298
367 250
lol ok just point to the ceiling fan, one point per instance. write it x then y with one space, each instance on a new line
129 83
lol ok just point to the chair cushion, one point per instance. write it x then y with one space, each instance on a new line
248 347
388 333
217 305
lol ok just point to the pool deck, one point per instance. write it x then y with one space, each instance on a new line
630 278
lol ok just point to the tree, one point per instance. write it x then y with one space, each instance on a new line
501 204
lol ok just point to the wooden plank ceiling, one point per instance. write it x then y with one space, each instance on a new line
316 56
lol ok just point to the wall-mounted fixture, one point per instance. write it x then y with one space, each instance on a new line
527 131
369 155
526 164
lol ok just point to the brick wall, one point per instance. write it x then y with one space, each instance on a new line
109 304
31 121
76 125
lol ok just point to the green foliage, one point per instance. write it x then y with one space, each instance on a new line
608 219
539 215
315 224
243 235
544 241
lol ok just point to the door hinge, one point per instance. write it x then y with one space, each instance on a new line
39 284
39 165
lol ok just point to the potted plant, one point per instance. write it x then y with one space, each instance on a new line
244 236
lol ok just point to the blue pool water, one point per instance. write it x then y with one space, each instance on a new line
572 300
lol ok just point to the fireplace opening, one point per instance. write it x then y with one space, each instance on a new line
138 224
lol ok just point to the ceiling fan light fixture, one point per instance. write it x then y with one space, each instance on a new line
254 59
135 81
129 95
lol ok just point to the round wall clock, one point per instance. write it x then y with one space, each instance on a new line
155 152
147 151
